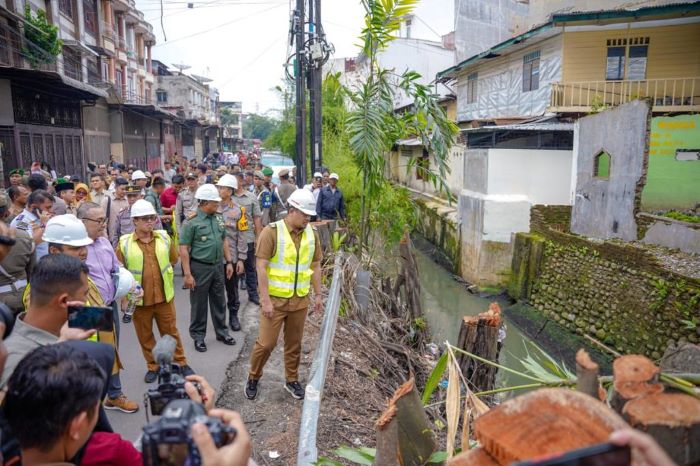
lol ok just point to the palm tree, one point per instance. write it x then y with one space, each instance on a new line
372 125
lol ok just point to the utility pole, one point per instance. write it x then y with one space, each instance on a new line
299 71
315 84
309 57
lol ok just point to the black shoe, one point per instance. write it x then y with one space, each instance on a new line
235 324
295 389
151 376
255 300
243 285
251 389
186 370
126 318
200 346
227 340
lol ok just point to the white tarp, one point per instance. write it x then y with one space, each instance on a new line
500 85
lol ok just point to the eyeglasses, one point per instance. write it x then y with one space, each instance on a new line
101 221
148 218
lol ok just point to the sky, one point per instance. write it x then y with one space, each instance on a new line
242 44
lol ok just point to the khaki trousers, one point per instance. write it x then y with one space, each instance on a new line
164 315
268 333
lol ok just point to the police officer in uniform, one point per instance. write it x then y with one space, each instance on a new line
231 213
18 261
186 204
203 245
124 223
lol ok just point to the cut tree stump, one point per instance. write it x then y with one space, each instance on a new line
673 419
404 436
634 376
544 422
479 335
587 374
473 457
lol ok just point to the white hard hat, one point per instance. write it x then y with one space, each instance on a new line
304 200
141 208
318 175
138 175
334 176
66 229
228 181
125 283
207 192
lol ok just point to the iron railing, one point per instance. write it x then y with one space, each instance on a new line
308 452
665 94
17 52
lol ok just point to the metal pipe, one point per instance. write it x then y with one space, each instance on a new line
308 452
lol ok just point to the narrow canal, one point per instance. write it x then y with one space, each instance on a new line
446 301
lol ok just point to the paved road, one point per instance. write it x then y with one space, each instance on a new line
212 364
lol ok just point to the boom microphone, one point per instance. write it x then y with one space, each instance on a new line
164 350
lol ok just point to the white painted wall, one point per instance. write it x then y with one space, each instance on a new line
543 176
424 57
505 215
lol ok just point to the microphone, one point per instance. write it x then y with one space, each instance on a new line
164 350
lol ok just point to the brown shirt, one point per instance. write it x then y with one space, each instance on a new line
266 248
152 281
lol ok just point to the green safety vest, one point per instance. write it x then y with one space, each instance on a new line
133 256
289 270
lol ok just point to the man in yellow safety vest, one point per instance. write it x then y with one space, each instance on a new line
288 264
149 255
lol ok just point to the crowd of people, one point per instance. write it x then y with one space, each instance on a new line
67 242
115 242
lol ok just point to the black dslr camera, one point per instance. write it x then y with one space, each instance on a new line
168 440
171 383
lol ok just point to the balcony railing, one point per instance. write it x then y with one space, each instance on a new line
667 95
16 52
107 29
133 97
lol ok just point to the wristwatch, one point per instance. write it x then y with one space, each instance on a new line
229 262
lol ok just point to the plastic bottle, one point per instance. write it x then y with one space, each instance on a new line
131 306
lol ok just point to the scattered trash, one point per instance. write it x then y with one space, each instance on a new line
443 384
273 454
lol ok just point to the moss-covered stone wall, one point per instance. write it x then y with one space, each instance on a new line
613 292
435 225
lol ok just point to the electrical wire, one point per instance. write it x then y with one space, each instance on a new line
248 65
241 18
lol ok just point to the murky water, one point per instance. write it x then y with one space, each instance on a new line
446 301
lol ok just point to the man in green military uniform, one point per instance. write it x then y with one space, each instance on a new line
203 245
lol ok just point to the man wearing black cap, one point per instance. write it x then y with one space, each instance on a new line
65 190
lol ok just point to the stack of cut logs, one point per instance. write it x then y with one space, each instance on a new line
555 420
548 421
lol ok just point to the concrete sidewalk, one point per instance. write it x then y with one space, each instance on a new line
212 365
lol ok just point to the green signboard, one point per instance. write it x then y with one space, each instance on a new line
673 175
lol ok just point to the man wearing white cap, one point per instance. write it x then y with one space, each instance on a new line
331 204
316 185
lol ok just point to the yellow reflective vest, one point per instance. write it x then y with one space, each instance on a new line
289 271
133 258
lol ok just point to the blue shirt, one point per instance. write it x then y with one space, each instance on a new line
330 204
